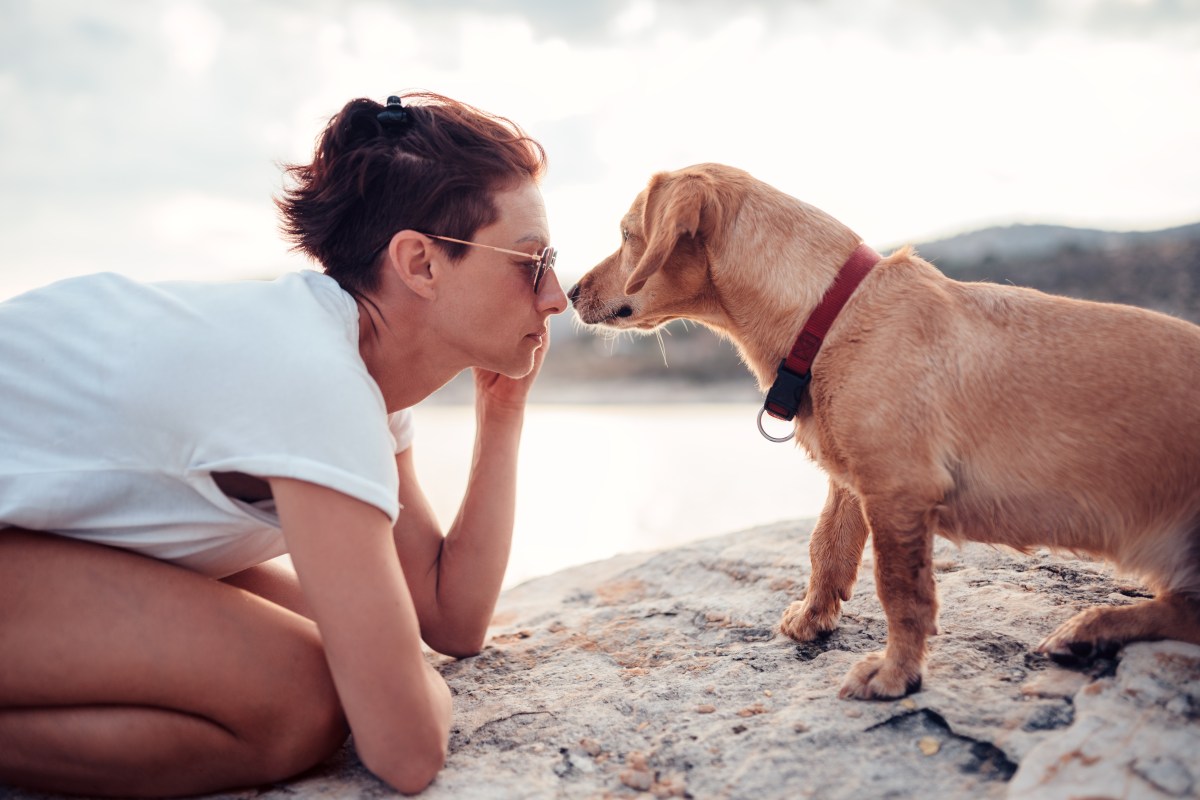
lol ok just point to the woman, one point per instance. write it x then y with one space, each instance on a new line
159 443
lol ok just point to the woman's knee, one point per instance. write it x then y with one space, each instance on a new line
315 735
300 722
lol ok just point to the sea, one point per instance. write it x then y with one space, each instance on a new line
595 481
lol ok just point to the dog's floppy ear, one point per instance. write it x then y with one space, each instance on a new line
673 209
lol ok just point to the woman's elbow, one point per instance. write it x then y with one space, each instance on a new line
462 644
463 649
413 771
408 755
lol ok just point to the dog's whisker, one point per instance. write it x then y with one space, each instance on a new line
611 337
662 347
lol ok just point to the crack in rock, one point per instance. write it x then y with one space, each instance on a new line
972 756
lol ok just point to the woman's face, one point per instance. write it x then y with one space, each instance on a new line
494 317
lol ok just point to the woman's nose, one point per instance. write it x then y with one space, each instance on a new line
551 294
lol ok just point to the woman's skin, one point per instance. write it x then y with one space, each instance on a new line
123 675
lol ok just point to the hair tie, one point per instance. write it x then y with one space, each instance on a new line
395 117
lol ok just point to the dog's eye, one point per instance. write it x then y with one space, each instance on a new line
625 234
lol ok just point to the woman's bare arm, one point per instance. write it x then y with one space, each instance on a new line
397 705
456 579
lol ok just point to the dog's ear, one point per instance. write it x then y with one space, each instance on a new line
674 208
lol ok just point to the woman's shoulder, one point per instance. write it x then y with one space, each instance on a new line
303 308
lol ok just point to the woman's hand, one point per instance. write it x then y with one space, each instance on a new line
504 392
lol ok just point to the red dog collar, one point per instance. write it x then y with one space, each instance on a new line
795 371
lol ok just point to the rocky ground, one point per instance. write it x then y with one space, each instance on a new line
662 674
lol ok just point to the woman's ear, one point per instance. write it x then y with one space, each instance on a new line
409 256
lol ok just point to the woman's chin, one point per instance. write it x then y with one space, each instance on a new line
516 367
518 372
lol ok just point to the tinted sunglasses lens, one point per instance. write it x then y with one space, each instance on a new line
545 263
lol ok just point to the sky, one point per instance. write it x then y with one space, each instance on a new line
146 136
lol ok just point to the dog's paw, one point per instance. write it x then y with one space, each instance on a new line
1081 639
803 622
878 678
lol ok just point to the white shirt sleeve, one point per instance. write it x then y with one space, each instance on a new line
400 424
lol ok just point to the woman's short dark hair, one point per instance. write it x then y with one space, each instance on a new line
437 172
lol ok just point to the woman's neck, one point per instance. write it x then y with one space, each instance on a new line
405 364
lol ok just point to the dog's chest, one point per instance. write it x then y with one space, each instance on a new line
809 438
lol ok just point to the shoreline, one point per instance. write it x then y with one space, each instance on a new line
549 390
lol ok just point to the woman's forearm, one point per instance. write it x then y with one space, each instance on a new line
475 552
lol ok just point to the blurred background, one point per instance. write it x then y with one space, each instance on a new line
1052 143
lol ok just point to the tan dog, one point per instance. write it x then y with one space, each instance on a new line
975 411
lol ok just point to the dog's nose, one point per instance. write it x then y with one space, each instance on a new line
574 294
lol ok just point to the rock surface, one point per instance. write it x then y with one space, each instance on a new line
661 674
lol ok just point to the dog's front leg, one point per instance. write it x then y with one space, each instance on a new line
835 551
904 581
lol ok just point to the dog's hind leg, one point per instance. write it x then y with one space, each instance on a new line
1100 631
908 593
835 551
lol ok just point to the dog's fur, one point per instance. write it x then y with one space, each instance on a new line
976 411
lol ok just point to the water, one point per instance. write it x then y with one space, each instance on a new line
596 481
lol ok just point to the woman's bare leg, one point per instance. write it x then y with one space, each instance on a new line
124 675
276 581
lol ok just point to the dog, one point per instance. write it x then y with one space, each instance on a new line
975 411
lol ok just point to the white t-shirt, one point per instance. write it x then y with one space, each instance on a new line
118 400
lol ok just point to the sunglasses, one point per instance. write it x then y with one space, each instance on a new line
543 262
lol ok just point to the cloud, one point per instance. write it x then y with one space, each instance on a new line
905 118
906 20
193 36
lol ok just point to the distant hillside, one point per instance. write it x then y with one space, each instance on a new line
1158 270
1041 241
1155 269
686 363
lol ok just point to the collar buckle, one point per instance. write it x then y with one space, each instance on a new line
783 398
